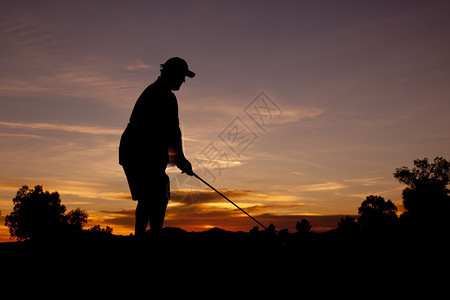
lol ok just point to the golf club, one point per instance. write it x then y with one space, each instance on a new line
199 178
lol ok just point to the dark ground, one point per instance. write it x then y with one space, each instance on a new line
213 244
227 262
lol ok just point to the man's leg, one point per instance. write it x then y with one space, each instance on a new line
157 214
135 179
159 203
153 210
142 218
152 207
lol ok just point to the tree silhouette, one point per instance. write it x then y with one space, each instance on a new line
101 232
270 229
38 213
76 219
254 230
426 197
348 225
377 215
303 227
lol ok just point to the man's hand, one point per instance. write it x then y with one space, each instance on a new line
185 166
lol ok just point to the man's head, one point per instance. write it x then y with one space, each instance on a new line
174 71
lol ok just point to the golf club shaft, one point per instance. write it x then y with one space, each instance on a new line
199 178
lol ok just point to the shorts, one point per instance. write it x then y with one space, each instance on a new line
145 184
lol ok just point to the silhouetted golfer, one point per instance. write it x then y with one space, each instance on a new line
151 135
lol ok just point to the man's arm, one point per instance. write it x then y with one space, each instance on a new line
176 145
180 160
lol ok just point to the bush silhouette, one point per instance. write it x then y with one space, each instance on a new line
38 214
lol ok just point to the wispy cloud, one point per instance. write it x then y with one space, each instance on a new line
22 135
63 127
366 181
292 115
42 62
327 186
139 65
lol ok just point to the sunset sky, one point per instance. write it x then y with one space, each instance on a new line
300 109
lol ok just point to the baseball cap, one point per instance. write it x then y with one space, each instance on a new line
178 65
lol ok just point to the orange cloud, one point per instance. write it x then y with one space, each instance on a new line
196 196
